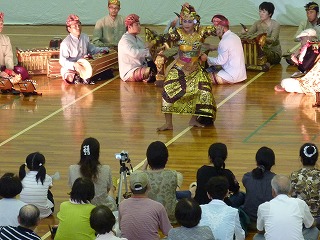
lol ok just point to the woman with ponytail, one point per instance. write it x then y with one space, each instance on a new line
90 167
36 184
258 184
306 181
217 155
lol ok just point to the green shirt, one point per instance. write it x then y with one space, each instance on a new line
74 222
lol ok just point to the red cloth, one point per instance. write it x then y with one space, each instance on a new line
72 19
1 16
131 19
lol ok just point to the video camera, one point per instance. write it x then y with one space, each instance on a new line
123 156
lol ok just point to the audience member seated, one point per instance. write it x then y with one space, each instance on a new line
222 219
258 184
164 183
140 217
272 48
90 167
284 217
36 184
28 218
102 221
217 156
135 62
109 29
74 214
306 181
10 187
230 55
188 215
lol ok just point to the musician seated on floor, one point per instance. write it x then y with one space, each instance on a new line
230 55
74 47
307 54
6 55
135 61
307 82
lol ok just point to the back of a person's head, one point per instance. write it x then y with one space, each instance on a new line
157 155
35 162
268 6
281 184
89 158
139 182
102 219
82 190
10 185
29 216
309 154
218 153
265 159
217 187
188 212
312 6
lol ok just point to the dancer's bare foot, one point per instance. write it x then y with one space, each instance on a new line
278 88
195 123
165 127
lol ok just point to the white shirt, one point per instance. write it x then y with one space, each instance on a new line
282 218
222 219
132 54
108 236
9 211
231 58
34 192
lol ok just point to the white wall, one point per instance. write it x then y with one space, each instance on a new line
37 12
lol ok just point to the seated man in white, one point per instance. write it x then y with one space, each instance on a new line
284 217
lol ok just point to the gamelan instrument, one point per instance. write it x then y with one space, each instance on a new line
255 59
36 60
93 65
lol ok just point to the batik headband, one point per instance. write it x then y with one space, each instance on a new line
72 19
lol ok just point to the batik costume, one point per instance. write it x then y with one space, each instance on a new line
187 87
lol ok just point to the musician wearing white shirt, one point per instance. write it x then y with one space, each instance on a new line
74 47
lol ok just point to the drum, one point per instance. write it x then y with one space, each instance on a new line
101 62
36 60
98 64
255 58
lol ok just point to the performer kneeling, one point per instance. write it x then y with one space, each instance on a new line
74 47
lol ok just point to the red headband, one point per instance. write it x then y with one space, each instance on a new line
72 19
131 19
220 20
1 16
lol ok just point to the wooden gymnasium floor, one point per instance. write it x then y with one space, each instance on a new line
124 116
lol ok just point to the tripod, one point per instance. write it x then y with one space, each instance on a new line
124 172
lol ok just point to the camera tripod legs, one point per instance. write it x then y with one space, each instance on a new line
123 179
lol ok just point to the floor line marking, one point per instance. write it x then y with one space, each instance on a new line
56 112
263 124
190 127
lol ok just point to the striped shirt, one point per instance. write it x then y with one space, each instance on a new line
17 233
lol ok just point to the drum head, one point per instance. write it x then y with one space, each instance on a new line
87 72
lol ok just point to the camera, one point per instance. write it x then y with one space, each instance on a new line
123 156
